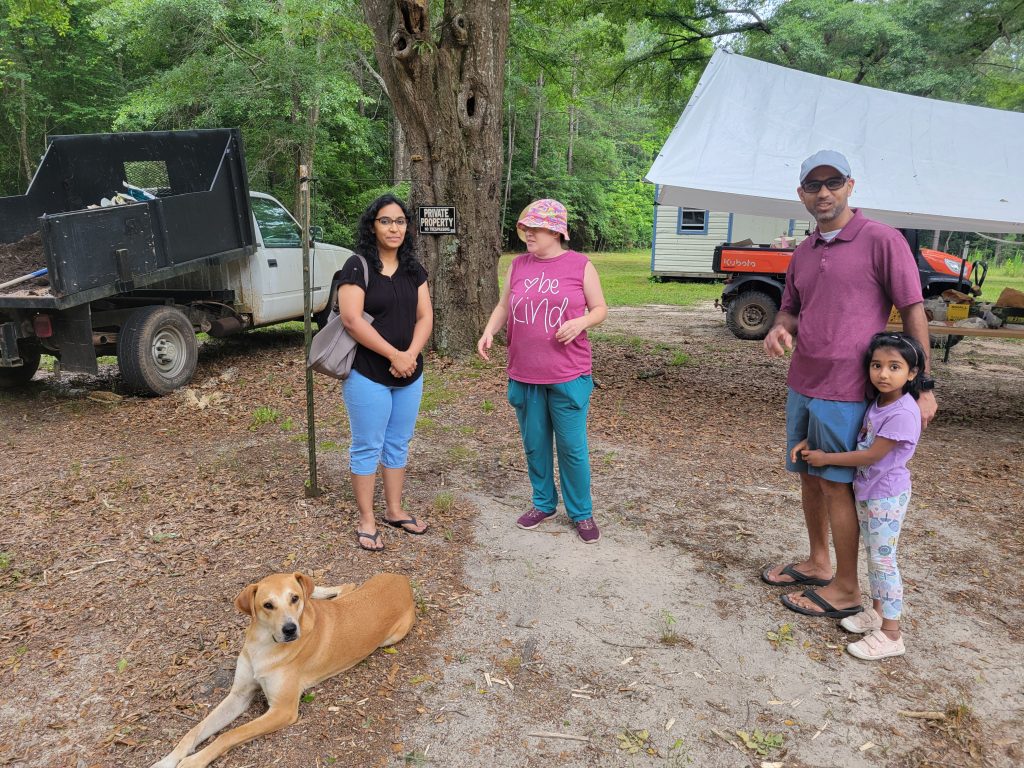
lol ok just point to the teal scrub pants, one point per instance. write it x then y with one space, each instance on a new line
558 411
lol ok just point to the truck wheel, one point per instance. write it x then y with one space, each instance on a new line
157 350
16 377
750 315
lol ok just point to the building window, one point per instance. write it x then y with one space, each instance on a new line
692 221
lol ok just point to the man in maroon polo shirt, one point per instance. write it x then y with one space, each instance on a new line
841 283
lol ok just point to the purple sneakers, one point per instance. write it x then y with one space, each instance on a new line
588 531
532 519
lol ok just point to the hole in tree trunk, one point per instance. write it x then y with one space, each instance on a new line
470 104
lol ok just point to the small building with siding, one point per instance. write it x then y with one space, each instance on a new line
684 239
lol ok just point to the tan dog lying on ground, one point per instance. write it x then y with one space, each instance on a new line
298 636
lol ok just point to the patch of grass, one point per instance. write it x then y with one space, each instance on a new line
1007 275
444 502
679 358
329 446
421 599
5 560
264 415
425 424
511 665
287 425
308 696
415 758
460 453
435 394
668 635
488 406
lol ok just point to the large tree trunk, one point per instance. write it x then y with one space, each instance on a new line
447 93
400 170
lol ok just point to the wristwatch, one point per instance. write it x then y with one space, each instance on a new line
927 383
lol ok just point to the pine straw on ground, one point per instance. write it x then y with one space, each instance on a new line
132 523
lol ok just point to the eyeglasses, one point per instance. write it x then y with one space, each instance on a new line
387 221
833 184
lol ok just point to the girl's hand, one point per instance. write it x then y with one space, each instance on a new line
404 364
570 330
484 344
794 455
815 458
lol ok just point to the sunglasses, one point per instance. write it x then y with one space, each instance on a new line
833 184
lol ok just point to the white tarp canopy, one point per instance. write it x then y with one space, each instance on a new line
918 163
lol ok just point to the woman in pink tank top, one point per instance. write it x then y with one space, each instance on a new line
550 298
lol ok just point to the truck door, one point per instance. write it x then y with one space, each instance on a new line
280 261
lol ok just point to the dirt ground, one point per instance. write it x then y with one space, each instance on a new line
130 525
21 258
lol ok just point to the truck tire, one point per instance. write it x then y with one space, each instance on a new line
750 315
157 350
16 377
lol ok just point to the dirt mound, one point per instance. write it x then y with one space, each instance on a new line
21 258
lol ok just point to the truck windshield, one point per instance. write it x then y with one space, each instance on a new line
278 228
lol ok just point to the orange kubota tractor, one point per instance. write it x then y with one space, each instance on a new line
756 275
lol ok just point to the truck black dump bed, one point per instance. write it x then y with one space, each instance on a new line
201 214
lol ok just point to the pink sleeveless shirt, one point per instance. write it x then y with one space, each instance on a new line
543 294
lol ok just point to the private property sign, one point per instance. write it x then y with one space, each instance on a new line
437 220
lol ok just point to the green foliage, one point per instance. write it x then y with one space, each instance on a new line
762 742
264 415
935 48
604 78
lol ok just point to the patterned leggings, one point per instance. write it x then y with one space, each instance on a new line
880 524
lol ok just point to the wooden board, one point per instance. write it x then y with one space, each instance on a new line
942 329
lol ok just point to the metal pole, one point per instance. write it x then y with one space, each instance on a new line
312 489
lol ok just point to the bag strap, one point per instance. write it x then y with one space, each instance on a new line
366 269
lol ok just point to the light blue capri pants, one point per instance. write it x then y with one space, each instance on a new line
382 420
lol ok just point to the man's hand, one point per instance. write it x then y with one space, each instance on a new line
778 341
794 455
929 407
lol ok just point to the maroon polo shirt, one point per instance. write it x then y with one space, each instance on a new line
841 293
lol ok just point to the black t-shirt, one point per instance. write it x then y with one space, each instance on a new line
392 303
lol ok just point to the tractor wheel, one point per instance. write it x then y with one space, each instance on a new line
16 377
157 350
751 314
939 341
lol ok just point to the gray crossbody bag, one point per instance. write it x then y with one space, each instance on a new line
333 350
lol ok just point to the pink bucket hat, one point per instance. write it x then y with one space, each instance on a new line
547 214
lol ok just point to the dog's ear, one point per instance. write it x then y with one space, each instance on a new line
245 599
306 583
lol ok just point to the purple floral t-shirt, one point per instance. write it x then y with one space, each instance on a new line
888 477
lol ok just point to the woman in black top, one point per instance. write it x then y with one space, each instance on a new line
382 394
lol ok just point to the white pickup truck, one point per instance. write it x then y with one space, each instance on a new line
140 280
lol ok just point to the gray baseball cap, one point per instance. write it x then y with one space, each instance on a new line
827 157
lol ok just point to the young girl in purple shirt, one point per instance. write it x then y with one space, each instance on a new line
881 485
